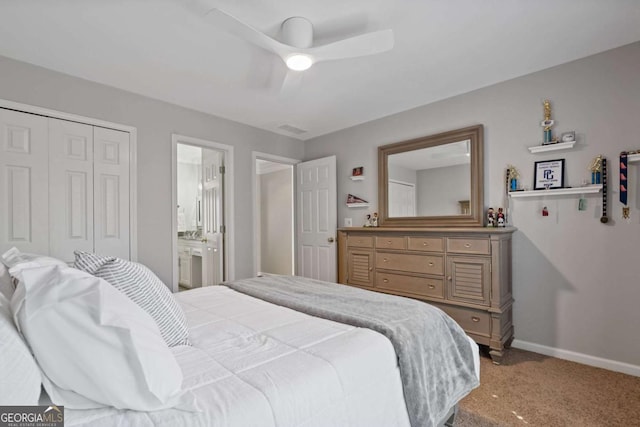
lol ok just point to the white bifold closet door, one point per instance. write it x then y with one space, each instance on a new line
24 192
64 187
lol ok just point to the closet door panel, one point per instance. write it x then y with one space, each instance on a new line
24 190
111 192
71 188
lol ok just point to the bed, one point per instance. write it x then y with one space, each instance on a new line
250 362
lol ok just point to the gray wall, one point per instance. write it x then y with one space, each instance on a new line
447 185
576 281
403 174
155 121
276 235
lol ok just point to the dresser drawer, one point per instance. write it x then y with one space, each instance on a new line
360 241
425 286
390 242
468 246
427 244
472 321
428 264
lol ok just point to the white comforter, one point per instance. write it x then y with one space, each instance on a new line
253 363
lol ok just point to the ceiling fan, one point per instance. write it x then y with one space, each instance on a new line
296 48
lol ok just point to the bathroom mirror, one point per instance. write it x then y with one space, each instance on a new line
433 181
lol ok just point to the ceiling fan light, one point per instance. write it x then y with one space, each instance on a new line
299 62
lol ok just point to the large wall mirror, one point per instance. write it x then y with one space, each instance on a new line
434 181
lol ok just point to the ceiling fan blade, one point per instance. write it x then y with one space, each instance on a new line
362 45
238 28
291 83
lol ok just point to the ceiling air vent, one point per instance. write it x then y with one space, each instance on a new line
292 129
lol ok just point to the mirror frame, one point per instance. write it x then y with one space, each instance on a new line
475 218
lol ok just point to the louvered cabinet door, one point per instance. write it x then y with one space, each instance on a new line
24 191
360 267
469 279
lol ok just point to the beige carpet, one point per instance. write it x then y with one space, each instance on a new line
530 389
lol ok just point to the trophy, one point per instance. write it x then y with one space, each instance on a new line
596 170
546 124
512 178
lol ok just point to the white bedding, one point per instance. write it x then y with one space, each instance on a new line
253 363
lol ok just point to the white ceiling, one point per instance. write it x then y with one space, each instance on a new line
167 49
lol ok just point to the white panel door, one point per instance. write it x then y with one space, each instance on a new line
111 192
213 219
402 199
24 189
317 219
71 188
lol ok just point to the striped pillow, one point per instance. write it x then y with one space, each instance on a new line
144 288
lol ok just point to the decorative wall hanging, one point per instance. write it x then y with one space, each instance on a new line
604 219
355 201
548 174
624 184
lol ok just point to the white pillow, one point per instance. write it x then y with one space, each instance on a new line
16 261
144 288
95 346
13 257
6 284
20 379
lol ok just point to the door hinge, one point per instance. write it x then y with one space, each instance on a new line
222 170
223 229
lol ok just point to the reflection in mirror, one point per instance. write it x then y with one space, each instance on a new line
418 178
433 181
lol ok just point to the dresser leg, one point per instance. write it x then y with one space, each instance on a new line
496 355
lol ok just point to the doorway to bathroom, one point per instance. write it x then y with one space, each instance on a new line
201 214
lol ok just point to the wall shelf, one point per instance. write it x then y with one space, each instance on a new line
357 205
357 178
589 189
552 147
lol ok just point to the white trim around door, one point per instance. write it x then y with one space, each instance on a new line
229 258
133 150
255 156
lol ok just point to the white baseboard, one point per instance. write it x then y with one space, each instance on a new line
585 359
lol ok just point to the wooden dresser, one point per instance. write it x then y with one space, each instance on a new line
465 272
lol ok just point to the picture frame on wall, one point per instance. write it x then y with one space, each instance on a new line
548 174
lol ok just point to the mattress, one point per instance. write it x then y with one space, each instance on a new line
252 363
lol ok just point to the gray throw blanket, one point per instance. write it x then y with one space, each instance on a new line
434 355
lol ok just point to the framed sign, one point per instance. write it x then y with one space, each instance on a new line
548 174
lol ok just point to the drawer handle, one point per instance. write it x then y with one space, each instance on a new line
467 245
425 244
384 260
385 280
431 287
388 242
430 264
449 278
475 319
